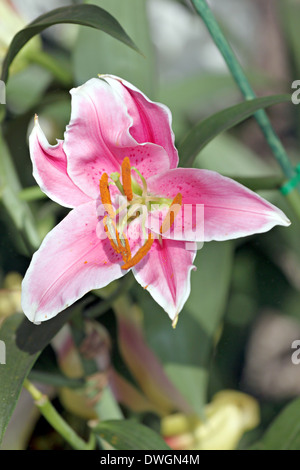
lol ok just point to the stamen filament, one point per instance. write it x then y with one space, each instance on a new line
132 211
110 237
119 247
144 219
145 188
124 248
115 177
121 208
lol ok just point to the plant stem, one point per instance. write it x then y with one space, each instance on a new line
54 418
240 78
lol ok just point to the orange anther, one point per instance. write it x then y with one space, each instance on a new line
124 250
116 242
105 195
141 253
126 178
127 250
172 213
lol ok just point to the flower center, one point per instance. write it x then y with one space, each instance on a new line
138 203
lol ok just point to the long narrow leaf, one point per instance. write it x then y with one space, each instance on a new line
86 15
14 372
284 432
222 121
129 435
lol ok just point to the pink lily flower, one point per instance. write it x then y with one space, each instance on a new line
120 145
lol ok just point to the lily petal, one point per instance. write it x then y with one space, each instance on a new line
98 137
50 170
229 209
152 121
73 259
165 273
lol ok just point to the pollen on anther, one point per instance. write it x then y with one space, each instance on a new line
171 214
126 178
105 195
141 253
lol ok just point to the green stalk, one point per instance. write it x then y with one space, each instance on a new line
48 62
240 78
59 424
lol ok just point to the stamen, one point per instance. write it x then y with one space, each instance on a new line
144 182
172 213
105 195
141 253
118 247
130 213
115 177
111 239
124 249
126 178
128 251
175 321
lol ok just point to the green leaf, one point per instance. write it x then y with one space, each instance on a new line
18 210
86 15
230 157
261 183
24 341
33 193
57 380
129 435
186 351
108 407
14 372
289 13
20 94
193 97
222 121
284 432
114 57
33 338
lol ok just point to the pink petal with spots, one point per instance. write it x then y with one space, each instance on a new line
152 121
165 273
74 258
50 170
132 231
230 210
98 137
